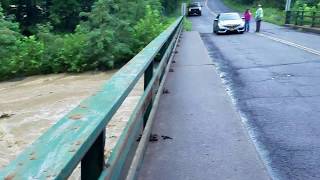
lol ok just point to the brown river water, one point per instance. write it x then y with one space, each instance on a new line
29 107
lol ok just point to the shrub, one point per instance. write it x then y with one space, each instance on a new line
148 27
110 35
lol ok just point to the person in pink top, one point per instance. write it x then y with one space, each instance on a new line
247 18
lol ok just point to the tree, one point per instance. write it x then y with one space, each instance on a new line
64 15
9 35
149 27
9 38
107 34
170 6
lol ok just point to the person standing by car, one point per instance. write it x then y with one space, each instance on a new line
247 18
258 17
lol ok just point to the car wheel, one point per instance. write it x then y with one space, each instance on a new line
217 31
200 14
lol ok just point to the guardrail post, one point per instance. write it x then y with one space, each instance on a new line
183 9
302 18
313 19
296 18
148 74
93 162
161 52
288 17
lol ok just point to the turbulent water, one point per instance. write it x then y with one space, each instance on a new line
30 106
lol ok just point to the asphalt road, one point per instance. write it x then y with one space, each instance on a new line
273 78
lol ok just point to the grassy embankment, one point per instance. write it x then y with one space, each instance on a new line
272 15
187 24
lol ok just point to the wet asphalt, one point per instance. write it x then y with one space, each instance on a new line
276 89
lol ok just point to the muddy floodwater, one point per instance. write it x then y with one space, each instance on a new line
29 107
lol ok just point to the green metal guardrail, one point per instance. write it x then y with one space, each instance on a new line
80 135
302 18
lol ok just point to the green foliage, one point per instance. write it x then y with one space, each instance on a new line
280 4
66 54
64 15
148 27
307 5
25 61
187 24
29 57
9 37
172 6
109 35
274 9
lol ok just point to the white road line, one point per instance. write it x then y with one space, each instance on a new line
313 51
210 11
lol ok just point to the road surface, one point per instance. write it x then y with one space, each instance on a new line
273 78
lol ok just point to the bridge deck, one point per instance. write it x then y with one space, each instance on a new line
208 139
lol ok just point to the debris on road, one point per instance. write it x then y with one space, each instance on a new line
165 91
5 115
166 137
153 138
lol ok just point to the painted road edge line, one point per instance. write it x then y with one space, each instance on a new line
210 11
310 50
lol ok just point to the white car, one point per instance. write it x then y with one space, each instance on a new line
194 9
228 22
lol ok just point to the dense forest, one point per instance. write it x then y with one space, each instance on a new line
53 36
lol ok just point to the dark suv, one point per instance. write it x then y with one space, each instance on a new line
194 9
